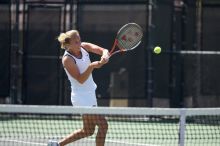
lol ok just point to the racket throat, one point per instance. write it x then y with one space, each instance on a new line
114 46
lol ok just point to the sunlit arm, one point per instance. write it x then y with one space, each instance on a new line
98 50
73 70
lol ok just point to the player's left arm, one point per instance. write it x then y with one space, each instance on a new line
97 50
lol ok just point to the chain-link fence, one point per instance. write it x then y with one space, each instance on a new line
185 74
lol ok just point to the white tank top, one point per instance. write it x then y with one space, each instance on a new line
89 85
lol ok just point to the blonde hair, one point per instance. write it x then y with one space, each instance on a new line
63 38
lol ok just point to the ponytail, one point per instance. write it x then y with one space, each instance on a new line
63 39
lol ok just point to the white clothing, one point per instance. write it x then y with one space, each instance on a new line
82 94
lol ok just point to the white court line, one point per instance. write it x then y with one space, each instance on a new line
20 141
43 144
126 143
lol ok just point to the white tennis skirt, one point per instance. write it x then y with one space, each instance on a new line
84 98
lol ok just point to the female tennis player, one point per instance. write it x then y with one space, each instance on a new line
79 68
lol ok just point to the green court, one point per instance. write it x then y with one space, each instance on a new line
123 129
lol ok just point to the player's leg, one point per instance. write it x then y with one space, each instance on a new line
87 130
102 130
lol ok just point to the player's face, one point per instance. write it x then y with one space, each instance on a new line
75 41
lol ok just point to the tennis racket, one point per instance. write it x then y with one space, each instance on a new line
128 38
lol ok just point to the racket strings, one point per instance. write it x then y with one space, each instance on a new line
129 37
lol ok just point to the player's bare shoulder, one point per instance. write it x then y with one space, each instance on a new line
66 60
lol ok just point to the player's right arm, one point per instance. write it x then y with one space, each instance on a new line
97 50
73 70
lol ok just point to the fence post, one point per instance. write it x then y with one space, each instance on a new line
14 52
182 127
149 90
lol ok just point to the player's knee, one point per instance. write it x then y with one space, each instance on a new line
88 132
103 126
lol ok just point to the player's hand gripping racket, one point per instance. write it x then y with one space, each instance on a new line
128 38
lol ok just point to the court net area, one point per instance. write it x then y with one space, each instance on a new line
35 125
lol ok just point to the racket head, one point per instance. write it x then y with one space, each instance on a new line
129 36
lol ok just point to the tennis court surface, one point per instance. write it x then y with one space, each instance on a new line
35 125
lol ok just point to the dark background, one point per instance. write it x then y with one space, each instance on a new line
31 71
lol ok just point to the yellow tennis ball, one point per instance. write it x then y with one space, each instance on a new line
157 50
